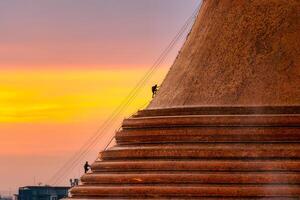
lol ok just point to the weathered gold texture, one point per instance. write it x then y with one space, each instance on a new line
239 52
225 123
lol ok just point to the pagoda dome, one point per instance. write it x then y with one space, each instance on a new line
225 123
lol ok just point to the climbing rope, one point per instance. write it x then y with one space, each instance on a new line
111 120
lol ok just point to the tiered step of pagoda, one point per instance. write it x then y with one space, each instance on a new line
201 153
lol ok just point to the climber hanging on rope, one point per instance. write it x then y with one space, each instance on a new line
86 167
154 90
75 160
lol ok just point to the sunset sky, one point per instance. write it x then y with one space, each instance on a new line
65 65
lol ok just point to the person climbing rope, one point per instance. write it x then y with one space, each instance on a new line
86 167
154 90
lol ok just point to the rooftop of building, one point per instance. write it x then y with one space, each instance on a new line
45 186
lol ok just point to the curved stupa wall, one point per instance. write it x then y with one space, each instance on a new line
241 53
229 123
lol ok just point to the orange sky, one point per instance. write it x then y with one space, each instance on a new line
65 67
50 114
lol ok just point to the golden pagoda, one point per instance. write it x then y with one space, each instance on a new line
225 123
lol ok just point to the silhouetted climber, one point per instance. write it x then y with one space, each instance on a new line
154 90
86 167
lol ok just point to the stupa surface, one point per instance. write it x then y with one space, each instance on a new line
226 121
236 50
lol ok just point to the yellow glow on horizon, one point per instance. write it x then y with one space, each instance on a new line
67 96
